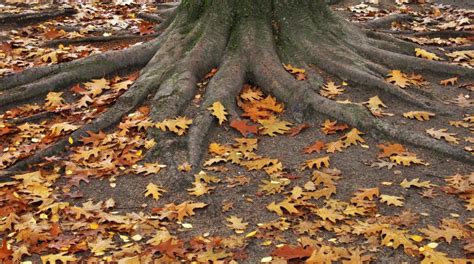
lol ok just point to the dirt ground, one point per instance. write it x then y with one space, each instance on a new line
354 164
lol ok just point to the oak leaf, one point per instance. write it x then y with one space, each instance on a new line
218 110
298 129
331 127
251 94
390 149
60 128
149 168
61 257
450 81
54 100
187 209
159 237
273 125
419 115
289 252
415 182
154 191
199 189
426 54
363 194
375 104
270 103
449 229
434 257
353 137
357 257
441 133
285 204
243 127
317 146
395 238
178 125
331 90
398 78
318 163
329 214
334 146
407 160
99 246
391 200
236 224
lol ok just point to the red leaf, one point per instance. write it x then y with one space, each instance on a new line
5 253
243 127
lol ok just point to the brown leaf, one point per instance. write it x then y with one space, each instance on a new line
298 129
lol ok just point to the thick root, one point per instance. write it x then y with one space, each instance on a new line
36 82
386 22
410 63
151 17
223 88
98 39
21 19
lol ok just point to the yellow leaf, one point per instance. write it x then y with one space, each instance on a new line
353 137
329 214
273 125
218 111
419 115
415 182
395 238
178 125
59 128
154 190
285 204
318 162
61 257
331 90
391 200
426 54
407 160
441 133
292 69
199 189
54 100
237 224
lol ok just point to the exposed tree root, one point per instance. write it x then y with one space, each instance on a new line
38 81
151 17
20 19
386 22
98 39
223 88
434 34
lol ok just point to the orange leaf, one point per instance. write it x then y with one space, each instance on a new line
318 146
243 127
289 252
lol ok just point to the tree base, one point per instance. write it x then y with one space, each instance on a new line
249 47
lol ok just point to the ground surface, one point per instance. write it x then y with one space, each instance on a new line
93 229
